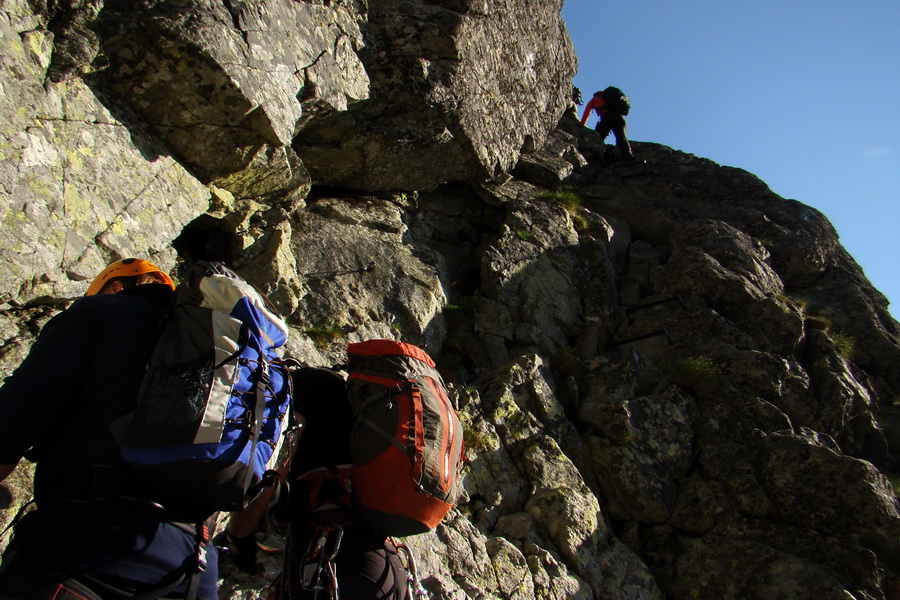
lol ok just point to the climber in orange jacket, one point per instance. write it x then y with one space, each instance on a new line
612 106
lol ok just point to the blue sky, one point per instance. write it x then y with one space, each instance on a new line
805 94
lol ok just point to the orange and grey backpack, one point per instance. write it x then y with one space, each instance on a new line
407 441
399 472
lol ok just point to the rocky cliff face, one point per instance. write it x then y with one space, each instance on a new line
675 384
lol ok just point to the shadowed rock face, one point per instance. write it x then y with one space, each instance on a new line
673 382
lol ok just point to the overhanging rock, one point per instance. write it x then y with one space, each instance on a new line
454 97
78 187
221 82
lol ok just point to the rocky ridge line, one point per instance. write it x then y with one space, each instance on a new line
675 384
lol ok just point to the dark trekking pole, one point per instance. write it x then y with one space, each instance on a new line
332 274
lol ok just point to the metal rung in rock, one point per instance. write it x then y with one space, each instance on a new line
644 336
676 298
629 311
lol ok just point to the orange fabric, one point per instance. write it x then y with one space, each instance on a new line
316 480
419 433
388 382
388 477
391 483
595 103
389 348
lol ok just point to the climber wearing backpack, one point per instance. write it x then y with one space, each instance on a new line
612 106
378 457
97 532
329 553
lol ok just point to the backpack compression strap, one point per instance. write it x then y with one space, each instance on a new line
262 387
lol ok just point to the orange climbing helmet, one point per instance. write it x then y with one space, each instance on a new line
126 268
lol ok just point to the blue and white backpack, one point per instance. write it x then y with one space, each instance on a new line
212 406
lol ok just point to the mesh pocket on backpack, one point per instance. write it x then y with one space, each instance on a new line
179 394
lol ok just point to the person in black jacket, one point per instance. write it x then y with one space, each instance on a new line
96 532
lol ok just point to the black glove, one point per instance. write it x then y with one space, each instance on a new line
242 552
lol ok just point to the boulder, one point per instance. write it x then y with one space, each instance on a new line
82 186
225 85
533 269
453 97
